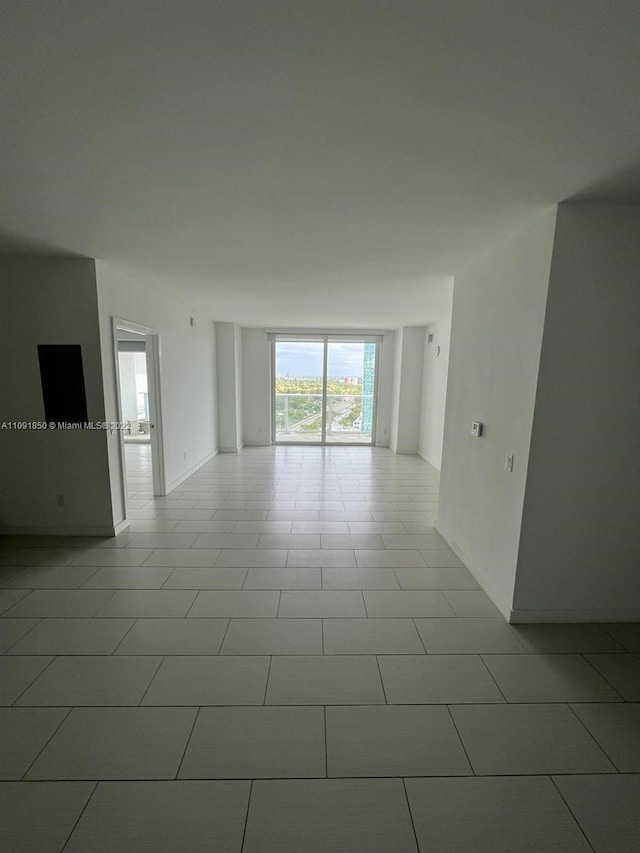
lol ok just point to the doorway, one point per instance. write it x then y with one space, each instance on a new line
324 389
137 356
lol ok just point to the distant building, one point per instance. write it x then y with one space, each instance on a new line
369 372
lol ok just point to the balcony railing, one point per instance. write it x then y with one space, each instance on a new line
349 417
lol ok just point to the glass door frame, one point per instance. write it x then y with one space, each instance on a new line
325 339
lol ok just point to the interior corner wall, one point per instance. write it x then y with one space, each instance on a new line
47 300
407 389
187 373
384 390
238 372
229 384
496 336
579 548
256 386
434 391
395 390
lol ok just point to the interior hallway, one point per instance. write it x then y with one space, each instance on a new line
284 655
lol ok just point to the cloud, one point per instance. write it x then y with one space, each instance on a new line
305 358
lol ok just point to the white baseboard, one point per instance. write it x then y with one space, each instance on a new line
191 471
606 614
119 528
257 444
486 583
232 448
428 461
523 617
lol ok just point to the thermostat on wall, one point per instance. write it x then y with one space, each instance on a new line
476 429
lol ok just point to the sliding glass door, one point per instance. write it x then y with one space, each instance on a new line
299 368
324 390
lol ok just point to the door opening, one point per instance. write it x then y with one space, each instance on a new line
137 353
324 389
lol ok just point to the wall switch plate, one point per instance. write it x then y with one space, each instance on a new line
476 429
508 463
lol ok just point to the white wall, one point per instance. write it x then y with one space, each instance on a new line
580 543
434 391
395 390
50 301
384 404
229 371
187 373
237 349
497 322
256 386
407 389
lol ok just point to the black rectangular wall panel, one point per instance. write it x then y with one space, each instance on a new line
63 391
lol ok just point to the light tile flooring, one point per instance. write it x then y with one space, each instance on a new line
284 655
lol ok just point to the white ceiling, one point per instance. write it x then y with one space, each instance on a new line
316 163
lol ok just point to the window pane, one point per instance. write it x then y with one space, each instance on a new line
298 390
350 387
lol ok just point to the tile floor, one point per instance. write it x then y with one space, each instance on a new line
284 655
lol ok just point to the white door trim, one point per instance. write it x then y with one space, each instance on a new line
152 349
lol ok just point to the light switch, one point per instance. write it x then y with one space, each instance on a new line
476 429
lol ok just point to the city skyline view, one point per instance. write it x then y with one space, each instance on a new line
324 401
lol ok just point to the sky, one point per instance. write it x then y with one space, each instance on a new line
304 358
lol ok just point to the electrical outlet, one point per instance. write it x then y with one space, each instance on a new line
59 500
508 463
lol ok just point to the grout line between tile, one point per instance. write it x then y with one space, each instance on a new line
395 574
266 683
186 746
604 677
246 817
153 678
224 637
168 578
448 707
575 819
384 692
491 675
103 604
86 580
73 828
195 598
413 621
569 705
126 633
53 734
606 629
33 680
413 826
20 639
